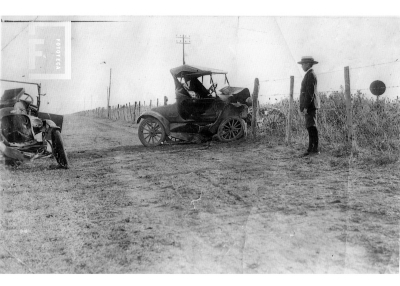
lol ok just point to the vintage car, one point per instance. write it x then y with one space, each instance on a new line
26 133
199 113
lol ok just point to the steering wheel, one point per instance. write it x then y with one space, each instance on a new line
26 97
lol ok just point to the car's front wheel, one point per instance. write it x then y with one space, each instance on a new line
58 149
151 132
232 128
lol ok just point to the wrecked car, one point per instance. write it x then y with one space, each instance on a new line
26 133
200 113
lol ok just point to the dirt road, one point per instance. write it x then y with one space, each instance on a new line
244 207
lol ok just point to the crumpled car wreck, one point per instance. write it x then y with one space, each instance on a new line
199 113
26 133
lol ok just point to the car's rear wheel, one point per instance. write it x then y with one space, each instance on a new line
232 128
151 132
58 149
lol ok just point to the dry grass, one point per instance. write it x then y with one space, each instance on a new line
376 126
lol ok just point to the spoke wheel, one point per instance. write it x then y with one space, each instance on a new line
151 132
232 128
270 119
274 120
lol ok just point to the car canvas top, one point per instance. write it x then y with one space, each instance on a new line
190 71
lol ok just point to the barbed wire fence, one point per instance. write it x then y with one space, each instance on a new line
347 113
126 112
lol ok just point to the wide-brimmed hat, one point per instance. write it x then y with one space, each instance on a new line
307 60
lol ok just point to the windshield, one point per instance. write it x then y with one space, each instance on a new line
201 84
216 79
30 89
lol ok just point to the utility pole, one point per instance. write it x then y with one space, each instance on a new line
183 40
109 96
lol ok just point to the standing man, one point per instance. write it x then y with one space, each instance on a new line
309 103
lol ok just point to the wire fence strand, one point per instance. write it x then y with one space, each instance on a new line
375 121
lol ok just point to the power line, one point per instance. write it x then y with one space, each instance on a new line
277 79
373 65
393 86
338 70
18 34
328 72
286 78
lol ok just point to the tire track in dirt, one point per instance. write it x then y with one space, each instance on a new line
249 210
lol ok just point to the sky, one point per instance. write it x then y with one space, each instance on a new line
141 50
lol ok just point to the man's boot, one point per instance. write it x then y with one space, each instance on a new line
315 149
310 142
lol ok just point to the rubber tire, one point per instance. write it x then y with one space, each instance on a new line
142 138
58 149
221 127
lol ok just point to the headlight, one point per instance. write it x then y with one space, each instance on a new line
249 101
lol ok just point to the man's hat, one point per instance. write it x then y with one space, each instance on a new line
307 60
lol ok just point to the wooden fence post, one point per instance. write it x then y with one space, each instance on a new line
165 100
150 103
134 113
255 107
290 114
157 101
348 104
139 108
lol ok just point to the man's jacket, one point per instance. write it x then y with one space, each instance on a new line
308 88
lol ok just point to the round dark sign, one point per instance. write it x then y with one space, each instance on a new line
377 87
